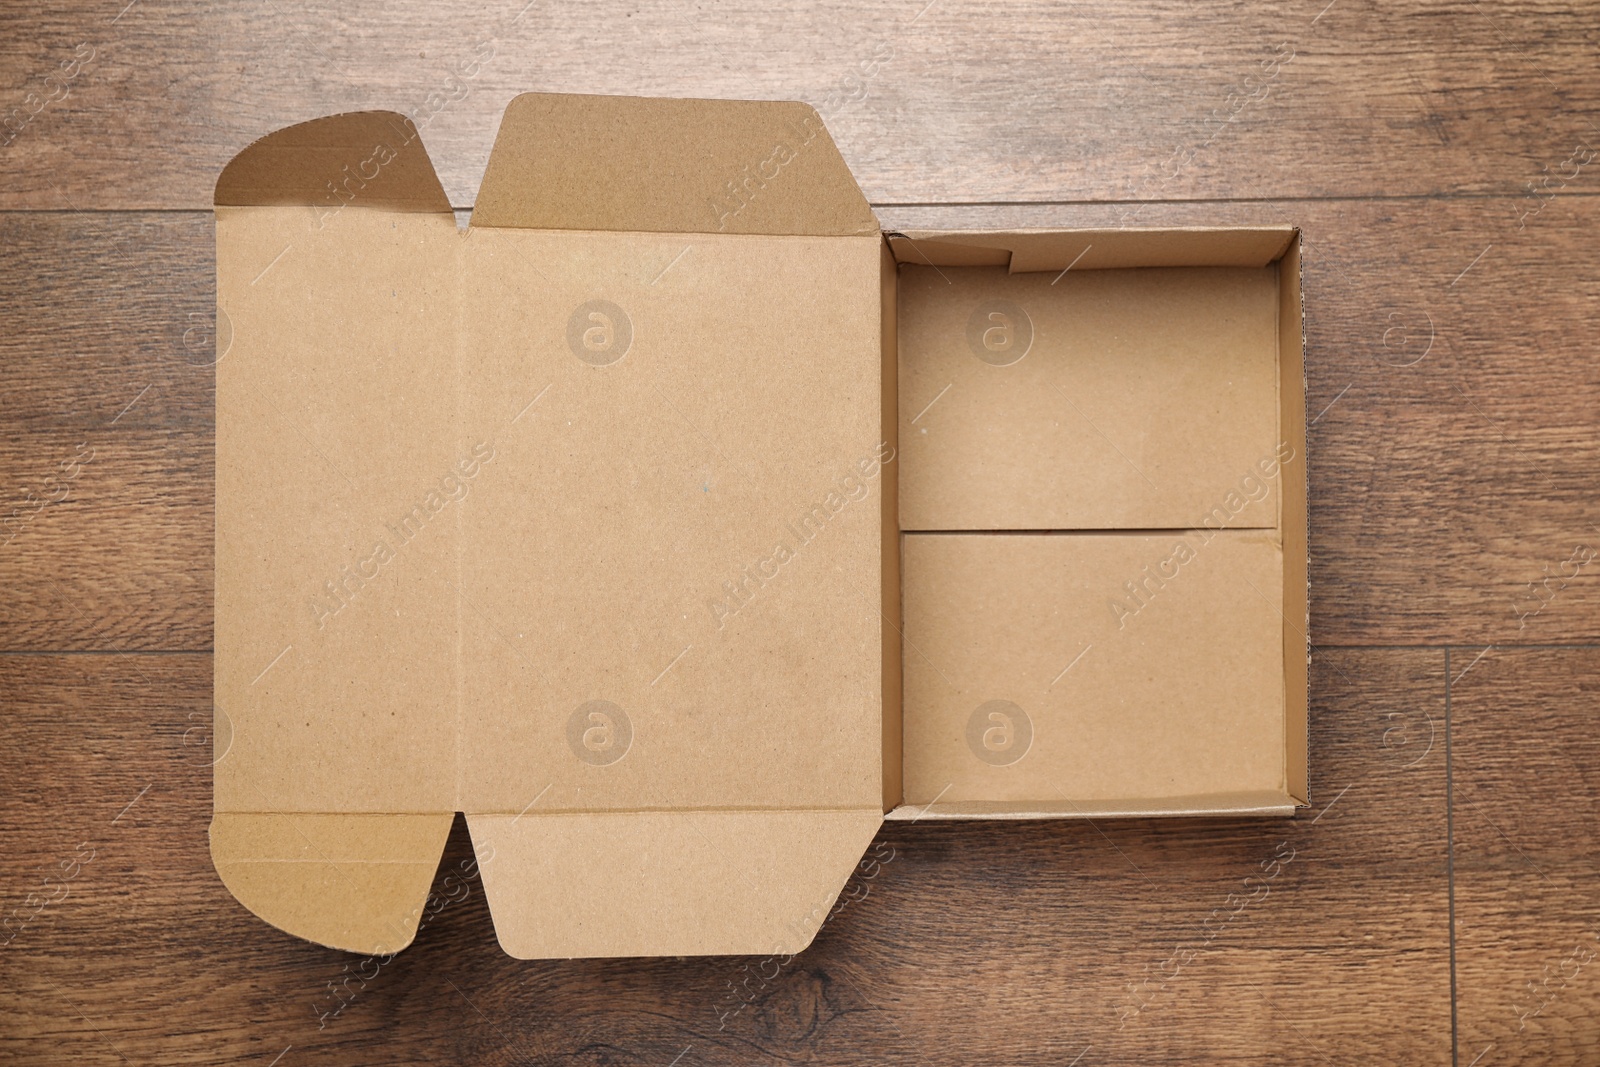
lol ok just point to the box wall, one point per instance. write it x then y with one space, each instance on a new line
1294 521
893 792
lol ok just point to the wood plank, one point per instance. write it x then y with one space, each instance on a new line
106 467
951 101
1525 762
1184 941
107 539
109 321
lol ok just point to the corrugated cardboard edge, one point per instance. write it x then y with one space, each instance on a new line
1294 522
1025 250
1264 803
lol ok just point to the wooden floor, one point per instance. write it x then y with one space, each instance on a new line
1436 904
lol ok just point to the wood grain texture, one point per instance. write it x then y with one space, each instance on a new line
1216 941
1069 101
1526 758
106 470
112 550
1431 156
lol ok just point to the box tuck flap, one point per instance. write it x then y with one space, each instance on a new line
371 158
680 882
565 162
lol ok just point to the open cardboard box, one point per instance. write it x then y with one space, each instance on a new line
586 521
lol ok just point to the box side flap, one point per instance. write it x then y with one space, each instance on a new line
571 162
352 882
917 249
372 159
1294 519
1056 250
333 660
679 883
1261 802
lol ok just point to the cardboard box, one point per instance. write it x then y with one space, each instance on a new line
1103 492
583 522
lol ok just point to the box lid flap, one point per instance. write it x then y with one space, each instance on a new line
469 526
570 162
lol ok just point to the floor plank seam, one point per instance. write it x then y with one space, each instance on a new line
1508 194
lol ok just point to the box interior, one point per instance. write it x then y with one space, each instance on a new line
1102 515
